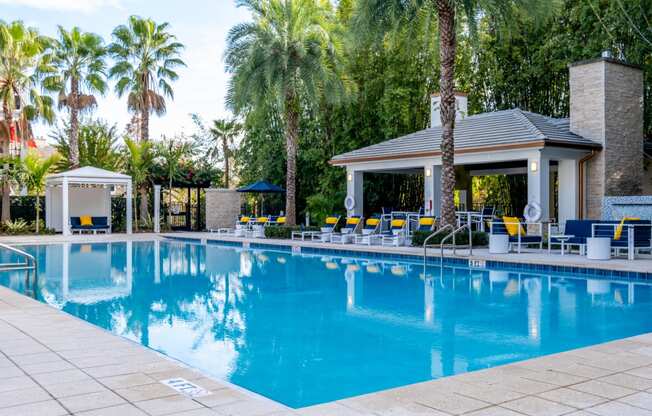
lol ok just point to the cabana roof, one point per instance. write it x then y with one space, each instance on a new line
507 129
89 174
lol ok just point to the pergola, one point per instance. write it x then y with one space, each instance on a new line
83 191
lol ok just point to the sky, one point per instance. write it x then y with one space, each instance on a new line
201 25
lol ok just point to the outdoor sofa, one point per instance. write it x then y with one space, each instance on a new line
98 224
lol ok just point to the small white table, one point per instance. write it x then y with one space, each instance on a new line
598 248
562 238
499 244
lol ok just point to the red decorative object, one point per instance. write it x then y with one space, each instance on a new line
12 133
31 143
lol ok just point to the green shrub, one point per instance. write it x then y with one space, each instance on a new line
15 227
285 232
479 238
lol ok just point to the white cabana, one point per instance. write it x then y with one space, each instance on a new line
83 191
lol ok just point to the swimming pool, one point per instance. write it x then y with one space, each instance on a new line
307 329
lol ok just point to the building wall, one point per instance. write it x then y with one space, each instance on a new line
222 208
606 99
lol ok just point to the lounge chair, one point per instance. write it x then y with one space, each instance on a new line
90 224
348 232
242 226
324 235
370 229
396 235
257 228
427 224
483 217
575 233
517 231
629 234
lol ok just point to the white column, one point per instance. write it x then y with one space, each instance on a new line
568 172
432 190
65 224
157 208
355 189
538 178
129 208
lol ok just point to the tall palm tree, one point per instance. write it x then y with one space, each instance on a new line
22 68
81 72
34 171
224 132
146 56
286 53
139 158
383 15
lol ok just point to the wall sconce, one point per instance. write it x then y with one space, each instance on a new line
428 172
349 177
534 166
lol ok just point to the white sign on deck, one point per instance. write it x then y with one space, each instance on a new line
185 387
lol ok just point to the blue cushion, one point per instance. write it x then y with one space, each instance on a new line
75 221
526 239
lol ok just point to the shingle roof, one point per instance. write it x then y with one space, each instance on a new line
500 128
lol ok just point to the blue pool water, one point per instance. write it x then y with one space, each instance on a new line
308 329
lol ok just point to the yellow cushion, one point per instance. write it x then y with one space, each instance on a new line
618 232
426 221
513 226
86 220
262 219
398 223
280 220
353 220
331 220
244 219
373 221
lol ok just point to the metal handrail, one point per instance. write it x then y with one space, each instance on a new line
452 235
439 231
30 261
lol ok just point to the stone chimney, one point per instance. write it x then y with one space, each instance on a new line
606 105
461 107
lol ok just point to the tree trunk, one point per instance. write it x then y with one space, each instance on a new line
38 213
74 123
6 190
170 203
225 150
446 11
135 211
144 204
291 139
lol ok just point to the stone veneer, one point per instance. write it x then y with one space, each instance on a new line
616 207
222 208
606 105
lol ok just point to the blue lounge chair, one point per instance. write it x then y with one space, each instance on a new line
369 230
98 224
580 230
352 225
630 235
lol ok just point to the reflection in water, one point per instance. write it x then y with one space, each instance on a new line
308 329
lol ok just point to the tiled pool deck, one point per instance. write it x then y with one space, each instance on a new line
52 363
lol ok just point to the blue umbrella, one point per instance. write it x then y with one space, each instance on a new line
262 187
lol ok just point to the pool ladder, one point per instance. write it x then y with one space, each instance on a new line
451 235
29 265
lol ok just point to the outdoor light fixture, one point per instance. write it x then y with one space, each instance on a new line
534 166
349 177
428 172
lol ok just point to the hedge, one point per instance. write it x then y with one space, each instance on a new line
285 232
479 238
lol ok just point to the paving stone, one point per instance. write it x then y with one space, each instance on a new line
16 383
574 398
167 405
23 396
221 397
146 392
628 380
494 411
330 409
45 408
618 409
74 388
642 399
126 381
91 401
451 403
248 407
535 406
121 410
599 388
59 377
47 367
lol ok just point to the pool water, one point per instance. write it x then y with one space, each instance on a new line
304 329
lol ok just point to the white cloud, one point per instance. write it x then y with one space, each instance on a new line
71 5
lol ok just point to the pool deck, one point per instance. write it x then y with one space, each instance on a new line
52 363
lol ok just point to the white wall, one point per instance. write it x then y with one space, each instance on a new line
95 202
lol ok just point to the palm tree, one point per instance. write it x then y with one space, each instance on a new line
224 131
34 171
22 65
383 15
138 163
97 145
171 154
79 60
146 56
286 53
